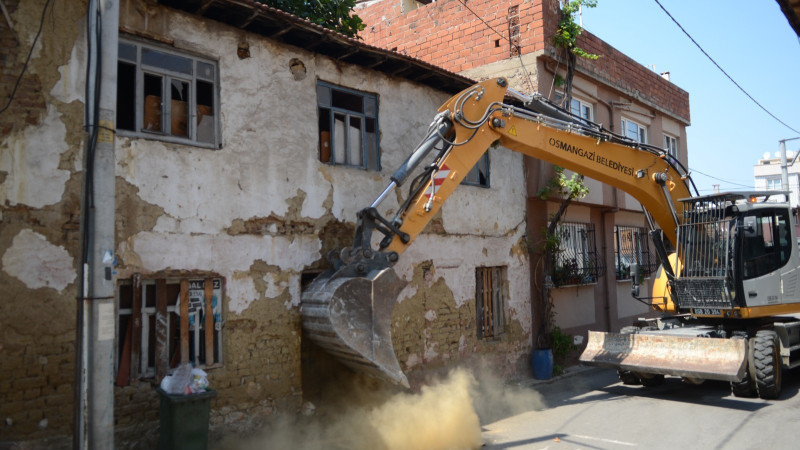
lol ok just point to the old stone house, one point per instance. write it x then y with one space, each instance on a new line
489 38
233 180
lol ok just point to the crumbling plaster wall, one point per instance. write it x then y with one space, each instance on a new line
41 141
263 208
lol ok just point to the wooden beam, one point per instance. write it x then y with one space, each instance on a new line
184 308
209 310
162 339
136 324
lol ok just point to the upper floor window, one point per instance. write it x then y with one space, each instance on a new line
578 107
581 108
671 145
348 127
774 184
634 130
167 95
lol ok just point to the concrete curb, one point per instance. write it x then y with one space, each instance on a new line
568 373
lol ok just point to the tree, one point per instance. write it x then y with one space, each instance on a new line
566 37
332 14
567 189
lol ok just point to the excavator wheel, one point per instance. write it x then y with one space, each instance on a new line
767 359
628 377
651 380
746 387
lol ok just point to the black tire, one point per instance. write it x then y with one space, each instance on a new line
767 361
651 380
628 377
744 388
747 386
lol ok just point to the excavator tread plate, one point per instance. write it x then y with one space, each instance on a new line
684 356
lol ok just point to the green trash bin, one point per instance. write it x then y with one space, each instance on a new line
184 420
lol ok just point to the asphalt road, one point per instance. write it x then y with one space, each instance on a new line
591 409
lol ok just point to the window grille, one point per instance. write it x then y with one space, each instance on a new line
489 301
705 249
575 261
164 323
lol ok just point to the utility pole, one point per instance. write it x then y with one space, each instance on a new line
784 164
96 314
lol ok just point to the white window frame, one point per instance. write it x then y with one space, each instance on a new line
203 70
671 145
196 326
773 183
640 132
577 106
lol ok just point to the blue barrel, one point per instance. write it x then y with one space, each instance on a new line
542 362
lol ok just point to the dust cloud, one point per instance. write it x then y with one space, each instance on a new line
444 415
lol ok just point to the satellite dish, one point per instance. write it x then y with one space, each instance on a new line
777 154
790 154
765 155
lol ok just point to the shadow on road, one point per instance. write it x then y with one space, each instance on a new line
555 438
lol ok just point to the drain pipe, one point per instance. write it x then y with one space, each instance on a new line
96 313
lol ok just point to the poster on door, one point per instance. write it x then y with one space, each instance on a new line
197 293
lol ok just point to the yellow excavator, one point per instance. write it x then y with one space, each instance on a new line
728 287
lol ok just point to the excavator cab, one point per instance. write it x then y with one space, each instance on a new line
735 250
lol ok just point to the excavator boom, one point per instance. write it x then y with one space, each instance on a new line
347 310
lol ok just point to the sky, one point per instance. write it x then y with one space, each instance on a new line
751 40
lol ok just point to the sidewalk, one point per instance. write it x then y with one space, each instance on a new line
568 372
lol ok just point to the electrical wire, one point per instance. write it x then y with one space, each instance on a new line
27 60
723 70
720 179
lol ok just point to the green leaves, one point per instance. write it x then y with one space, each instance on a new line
332 14
565 188
568 31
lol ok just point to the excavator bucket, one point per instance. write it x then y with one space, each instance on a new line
655 353
350 317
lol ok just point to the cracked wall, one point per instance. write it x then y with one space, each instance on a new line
263 209
259 212
41 141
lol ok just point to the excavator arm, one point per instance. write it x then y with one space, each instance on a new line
347 310
480 118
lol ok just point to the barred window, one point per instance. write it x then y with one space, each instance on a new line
632 245
163 323
575 261
490 301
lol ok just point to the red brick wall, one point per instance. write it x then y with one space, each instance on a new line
448 34
619 71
